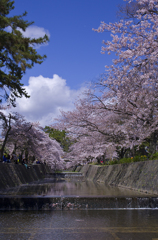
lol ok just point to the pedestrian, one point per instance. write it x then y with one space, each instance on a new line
8 158
14 157
5 157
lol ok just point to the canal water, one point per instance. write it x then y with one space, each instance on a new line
52 188
100 224
79 225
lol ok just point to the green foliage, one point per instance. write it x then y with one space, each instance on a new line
125 160
94 163
133 159
112 162
154 156
59 136
16 52
58 171
137 158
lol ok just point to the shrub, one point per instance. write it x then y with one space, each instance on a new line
155 156
126 160
112 162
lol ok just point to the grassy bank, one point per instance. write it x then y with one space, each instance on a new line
129 160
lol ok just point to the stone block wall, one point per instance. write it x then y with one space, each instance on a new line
12 175
140 176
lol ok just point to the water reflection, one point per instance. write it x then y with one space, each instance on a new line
52 188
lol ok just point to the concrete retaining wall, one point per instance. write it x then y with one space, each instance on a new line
141 176
12 175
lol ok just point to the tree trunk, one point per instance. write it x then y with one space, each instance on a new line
153 143
4 142
121 152
15 148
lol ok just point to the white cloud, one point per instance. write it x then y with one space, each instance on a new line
47 97
34 32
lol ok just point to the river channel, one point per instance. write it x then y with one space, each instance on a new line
81 224
52 188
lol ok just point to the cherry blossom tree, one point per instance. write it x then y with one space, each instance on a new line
22 136
90 128
132 81
121 110
6 125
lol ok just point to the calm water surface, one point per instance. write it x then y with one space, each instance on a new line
72 188
79 225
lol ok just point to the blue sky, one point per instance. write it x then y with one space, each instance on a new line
73 52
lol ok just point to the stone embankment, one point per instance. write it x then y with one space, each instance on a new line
140 176
12 175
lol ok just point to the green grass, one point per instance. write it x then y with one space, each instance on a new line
94 163
58 171
129 160
155 156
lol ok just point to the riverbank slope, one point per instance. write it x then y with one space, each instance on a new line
12 175
140 176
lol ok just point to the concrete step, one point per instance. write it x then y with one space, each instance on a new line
65 175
